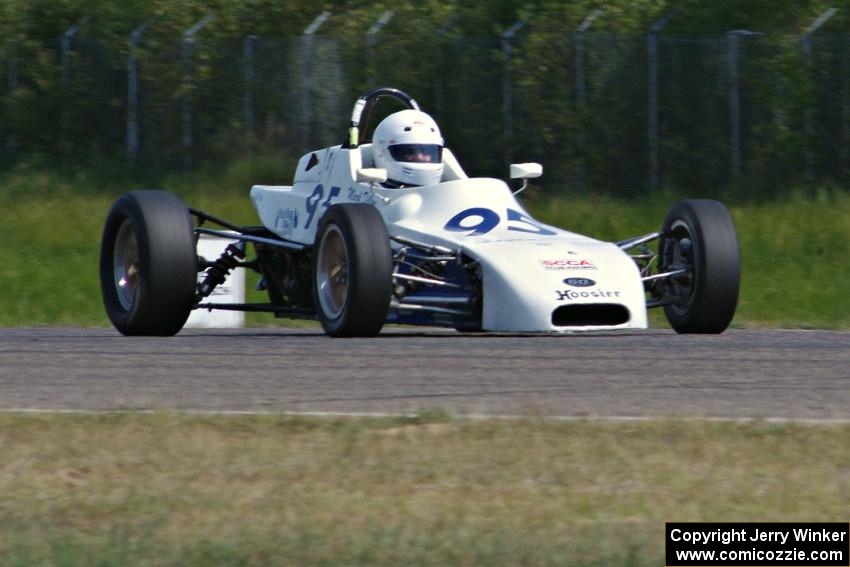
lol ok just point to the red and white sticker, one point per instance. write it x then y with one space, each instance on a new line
568 264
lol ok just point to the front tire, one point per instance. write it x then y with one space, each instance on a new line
148 264
698 235
352 271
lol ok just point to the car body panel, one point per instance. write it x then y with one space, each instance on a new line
528 269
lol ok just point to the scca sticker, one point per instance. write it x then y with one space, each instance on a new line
568 264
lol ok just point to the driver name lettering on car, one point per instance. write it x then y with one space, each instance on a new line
357 196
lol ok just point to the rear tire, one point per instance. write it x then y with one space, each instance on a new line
148 264
352 271
699 235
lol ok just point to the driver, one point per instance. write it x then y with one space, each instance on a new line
409 146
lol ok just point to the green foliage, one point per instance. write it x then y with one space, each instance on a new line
457 74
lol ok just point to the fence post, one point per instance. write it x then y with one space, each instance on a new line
438 61
845 103
248 45
581 96
732 44
307 75
507 95
65 50
133 91
809 116
11 138
652 112
370 43
186 99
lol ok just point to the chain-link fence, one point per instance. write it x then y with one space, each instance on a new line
628 115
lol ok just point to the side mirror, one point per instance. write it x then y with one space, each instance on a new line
526 170
371 175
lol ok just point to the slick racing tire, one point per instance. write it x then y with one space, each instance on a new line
352 271
148 264
699 237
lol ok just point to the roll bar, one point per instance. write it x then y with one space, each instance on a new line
364 104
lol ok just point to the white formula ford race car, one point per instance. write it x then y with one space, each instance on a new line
346 245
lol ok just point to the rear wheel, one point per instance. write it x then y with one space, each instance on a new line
698 237
352 271
148 264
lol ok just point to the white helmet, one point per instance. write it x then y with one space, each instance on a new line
409 146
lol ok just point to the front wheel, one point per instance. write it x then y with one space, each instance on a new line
148 264
699 239
352 271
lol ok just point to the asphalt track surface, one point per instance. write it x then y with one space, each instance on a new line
739 374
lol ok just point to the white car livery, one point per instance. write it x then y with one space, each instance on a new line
343 245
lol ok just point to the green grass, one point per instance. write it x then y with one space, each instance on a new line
794 251
51 222
172 489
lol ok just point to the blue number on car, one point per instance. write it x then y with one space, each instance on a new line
488 219
526 224
313 204
334 192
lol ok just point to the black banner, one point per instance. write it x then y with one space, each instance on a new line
757 544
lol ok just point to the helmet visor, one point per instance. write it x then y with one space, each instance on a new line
417 153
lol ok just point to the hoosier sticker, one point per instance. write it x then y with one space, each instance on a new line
568 294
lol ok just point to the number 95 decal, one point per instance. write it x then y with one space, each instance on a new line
478 220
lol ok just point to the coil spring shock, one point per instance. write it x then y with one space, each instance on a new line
219 269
